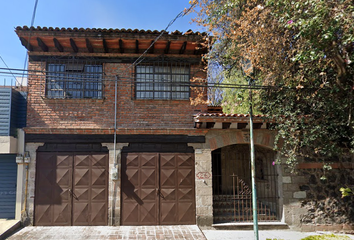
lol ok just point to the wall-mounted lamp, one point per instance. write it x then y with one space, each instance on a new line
19 158
27 157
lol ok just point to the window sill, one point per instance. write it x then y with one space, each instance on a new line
69 100
161 101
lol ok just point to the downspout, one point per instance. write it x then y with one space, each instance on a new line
115 121
26 192
114 178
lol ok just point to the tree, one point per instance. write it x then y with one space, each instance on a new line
302 52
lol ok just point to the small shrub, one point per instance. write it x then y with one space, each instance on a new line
326 237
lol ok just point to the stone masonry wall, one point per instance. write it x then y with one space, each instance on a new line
314 203
323 203
99 113
203 186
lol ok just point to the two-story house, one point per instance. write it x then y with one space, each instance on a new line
108 127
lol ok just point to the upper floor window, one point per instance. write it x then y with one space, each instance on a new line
163 81
74 80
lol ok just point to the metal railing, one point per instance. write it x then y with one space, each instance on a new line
232 194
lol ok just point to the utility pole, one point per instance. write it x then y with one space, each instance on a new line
253 165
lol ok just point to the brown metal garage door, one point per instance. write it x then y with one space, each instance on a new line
158 189
71 189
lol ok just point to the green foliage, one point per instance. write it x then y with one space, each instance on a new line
326 237
236 100
302 51
346 192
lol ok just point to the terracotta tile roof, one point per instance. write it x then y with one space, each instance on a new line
104 30
223 117
226 121
226 115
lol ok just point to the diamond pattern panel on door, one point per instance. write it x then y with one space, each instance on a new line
81 213
168 177
185 177
99 160
132 159
61 216
148 213
186 212
43 215
130 212
185 159
82 161
99 213
168 213
167 160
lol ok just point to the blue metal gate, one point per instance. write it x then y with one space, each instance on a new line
8 178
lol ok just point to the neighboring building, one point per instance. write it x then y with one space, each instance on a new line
117 143
12 119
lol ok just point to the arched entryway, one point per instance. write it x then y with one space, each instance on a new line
232 193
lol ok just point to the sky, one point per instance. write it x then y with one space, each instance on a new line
134 14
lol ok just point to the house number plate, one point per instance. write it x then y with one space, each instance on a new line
203 175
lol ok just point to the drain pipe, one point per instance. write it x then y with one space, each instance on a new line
115 164
26 192
115 121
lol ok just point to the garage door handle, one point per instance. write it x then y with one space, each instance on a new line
158 192
73 194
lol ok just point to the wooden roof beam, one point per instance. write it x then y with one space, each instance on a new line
197 50
58 45
43 46
152 49
121 47
136 46
183 48
73 45
26 44
89 45
167 48
105 48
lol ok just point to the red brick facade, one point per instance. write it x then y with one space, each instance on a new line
99 113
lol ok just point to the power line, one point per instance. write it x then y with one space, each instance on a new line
181 14
9 69
204 84
30 34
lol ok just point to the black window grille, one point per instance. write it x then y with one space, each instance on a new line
74 80
166 81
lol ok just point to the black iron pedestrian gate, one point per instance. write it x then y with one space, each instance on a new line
232 193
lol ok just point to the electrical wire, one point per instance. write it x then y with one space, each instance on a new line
30 34
9 69
181 14
203 83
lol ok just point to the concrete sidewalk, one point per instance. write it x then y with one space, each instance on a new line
185 232
179 232
263 234
8 226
